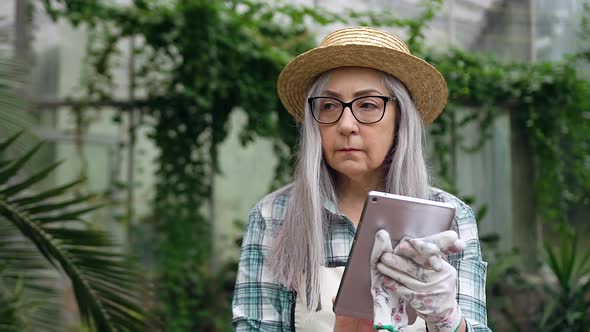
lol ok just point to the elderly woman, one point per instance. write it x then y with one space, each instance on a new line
362 101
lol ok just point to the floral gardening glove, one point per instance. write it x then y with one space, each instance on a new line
389 309
418 274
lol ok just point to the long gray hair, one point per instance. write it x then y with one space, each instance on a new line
298 250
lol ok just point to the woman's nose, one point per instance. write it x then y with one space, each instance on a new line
348 123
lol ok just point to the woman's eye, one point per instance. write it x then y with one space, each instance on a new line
328 106
368 106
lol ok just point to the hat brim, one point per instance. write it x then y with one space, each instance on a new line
425 84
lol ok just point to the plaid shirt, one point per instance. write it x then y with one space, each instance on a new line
262 304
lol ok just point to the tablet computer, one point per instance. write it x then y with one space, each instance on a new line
400 216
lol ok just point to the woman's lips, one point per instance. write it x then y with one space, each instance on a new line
349 150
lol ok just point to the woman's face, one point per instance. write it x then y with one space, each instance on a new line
353 149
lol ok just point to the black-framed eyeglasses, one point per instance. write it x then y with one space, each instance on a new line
366 109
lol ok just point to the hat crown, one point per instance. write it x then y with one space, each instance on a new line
363 47
364 36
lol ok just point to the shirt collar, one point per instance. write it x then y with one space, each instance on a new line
330 206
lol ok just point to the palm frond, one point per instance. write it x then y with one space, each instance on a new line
9 307
66 216
30 181
15 166
7 142
14 115
106 287
42 198
27 281
108 298
46 208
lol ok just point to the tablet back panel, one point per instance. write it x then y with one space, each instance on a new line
400 216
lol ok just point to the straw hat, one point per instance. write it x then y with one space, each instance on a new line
364 47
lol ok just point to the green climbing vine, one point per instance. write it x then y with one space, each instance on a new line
198 61
549 101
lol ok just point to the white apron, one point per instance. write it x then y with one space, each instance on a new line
324 319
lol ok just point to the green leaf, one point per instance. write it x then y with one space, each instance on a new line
569 255
548 313
7 142
66 215
14 189
583 266
10 170
482 212
44 208
51 193
554 264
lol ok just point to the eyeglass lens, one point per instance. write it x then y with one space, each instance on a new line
365 109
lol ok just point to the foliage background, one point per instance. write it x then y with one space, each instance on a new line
191 74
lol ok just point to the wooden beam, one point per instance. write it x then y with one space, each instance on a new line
122 105
22 30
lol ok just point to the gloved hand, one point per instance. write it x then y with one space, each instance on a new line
389 309
418 273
